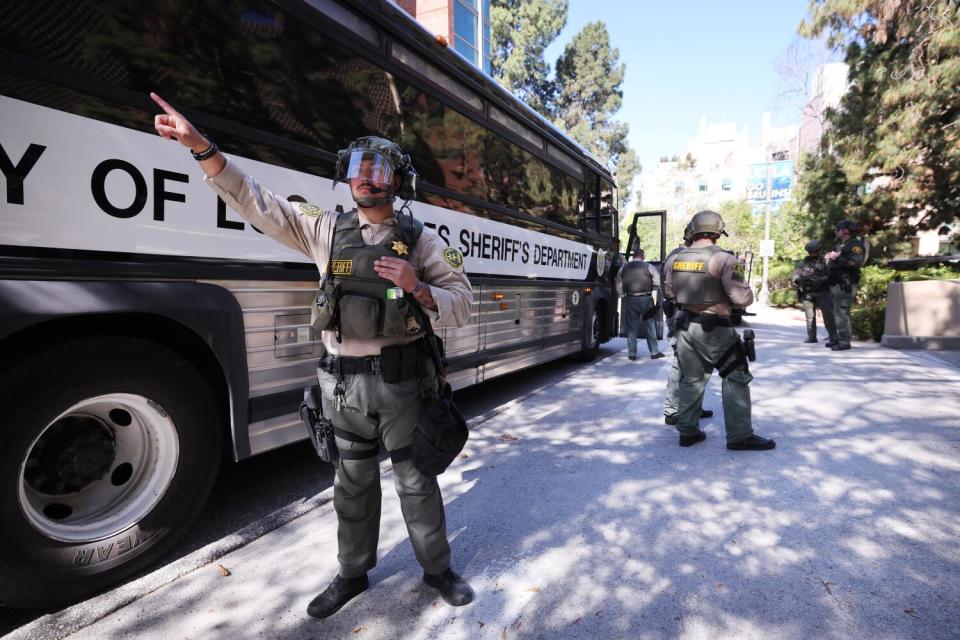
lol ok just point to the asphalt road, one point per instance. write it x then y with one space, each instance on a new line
253 488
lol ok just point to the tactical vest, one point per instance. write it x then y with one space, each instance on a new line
353 298
636 278
856 250
812 274
691 284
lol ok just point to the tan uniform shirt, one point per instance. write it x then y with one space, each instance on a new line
309 230
650 267
730 272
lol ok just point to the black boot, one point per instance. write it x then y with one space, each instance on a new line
453 589
706 413
340 592
670 418
753 443
810 340
689 441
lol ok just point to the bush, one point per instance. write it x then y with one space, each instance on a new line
866 322
783 297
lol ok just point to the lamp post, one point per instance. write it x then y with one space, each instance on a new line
764 296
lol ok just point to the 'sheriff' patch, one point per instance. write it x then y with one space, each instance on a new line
342 267
689 265
310 210
453 257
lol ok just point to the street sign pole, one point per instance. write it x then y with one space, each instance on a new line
764 290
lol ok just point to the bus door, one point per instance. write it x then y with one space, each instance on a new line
651 226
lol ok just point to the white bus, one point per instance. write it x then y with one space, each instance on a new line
146 331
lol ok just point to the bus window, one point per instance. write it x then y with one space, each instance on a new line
608 208
590 207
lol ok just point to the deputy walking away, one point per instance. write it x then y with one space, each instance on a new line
844 264
708 282
636 281
370 249
812 281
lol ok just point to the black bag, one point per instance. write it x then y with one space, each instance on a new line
441 430
440 435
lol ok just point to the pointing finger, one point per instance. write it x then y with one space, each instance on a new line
164 104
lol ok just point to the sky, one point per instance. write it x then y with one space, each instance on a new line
687 58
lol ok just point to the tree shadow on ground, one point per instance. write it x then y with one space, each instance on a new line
592 523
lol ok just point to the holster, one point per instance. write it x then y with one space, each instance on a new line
649 313
319 428
680 322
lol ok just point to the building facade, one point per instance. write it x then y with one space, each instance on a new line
464 24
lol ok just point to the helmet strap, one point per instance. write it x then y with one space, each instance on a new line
367 203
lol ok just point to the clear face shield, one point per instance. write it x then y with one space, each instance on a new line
370 166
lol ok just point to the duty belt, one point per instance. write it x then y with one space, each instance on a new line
351 366
715 320
638 295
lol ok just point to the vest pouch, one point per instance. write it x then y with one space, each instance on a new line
398 319
359 316
321 312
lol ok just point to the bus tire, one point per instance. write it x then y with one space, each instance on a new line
111 447
591 340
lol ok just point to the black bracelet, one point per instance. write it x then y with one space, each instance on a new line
208 153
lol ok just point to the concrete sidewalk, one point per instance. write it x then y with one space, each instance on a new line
575 515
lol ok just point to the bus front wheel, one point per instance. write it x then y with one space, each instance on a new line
111 446
591 341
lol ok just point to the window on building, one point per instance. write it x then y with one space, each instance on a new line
703 186
465 21
487 49
726 184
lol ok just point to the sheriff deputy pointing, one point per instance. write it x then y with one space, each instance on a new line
375 371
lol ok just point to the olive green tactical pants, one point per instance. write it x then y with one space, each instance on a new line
671 397
389 411
824 301
698 353
842 302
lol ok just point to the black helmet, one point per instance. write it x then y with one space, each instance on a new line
847 224
386 160
813 246
707 223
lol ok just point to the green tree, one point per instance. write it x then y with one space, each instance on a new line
589 78
583 94
520 31
891 155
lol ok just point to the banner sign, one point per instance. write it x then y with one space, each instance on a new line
77 183
781 181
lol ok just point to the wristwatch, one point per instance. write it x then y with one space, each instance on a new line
419 286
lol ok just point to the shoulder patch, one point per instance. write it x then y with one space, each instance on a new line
857 249
453 257
310 210
738 271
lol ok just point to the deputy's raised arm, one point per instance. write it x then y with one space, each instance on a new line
172 125
272 214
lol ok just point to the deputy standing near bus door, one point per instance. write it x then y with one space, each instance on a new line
707 282
363 407
636 281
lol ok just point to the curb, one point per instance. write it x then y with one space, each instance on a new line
55 626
